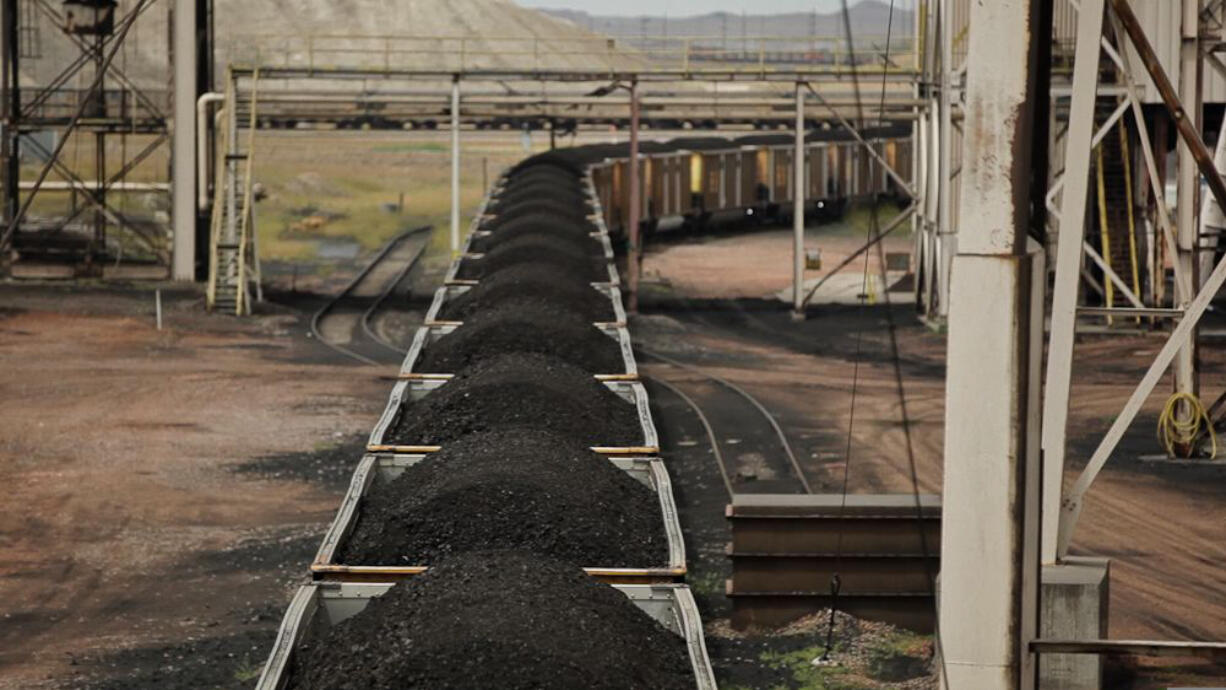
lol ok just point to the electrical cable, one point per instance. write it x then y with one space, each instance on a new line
1186 432
835 579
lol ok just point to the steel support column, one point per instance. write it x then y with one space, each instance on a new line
989 545
183 153
455 166
11 108
798 207
1187 185
947 241
633 215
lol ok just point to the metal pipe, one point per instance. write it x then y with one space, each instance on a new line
202 147
455 166
63 186
798 208
634 250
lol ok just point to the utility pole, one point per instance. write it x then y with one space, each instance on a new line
990 507
632 217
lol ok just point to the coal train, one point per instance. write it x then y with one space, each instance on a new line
690 183
512 524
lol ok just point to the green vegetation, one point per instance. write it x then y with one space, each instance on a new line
331 186
247 671
706 583
900 656
806 676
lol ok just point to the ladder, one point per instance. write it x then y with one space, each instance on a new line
234 266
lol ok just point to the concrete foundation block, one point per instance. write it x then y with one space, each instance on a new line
1073 606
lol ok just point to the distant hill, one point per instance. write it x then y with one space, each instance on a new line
272 29
251 30
869 19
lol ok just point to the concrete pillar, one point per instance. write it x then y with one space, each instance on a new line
1074 606
183 143
990 527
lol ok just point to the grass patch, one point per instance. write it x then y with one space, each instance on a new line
900 656
247 671
707 584
806 676
349 178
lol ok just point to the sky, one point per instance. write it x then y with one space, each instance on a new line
680 8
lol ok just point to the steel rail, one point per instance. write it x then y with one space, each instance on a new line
706 425
783 440
331 304
368 316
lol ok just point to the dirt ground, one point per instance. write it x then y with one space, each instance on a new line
1159 523
165 489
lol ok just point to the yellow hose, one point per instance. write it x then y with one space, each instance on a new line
1174 431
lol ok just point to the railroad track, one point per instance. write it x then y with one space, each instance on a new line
352 322
753 459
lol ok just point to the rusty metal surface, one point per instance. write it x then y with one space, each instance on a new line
786 549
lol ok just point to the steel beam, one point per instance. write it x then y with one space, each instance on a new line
1070 509
1177 648
946 240
1070 240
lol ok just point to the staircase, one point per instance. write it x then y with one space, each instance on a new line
1114 213
233 259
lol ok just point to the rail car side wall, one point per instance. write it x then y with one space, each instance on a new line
698 185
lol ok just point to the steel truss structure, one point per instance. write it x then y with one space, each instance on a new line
90 233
